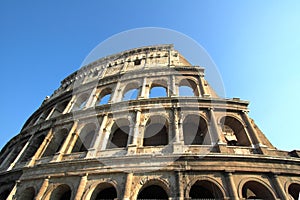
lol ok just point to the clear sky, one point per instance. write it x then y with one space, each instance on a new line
255 45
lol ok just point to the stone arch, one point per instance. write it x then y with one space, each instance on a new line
131 91
104 190
195 130
293 190
56 142
156 131
119 134
99 185
234 131
254 188
159 185
80 102
188 87
59 192
158 88
86 138
33 146
104 96
60 108
209 185
28 193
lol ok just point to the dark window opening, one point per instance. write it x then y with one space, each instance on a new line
205 190
255 190
153 192
156 134
119 138
107 194
137 62
294 190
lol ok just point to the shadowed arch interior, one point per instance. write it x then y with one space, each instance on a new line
256 190
188 87
131 91
56 142
62 192
234 132
294 190
205 190
156 131
195 131
86 138
153 192
80 102
119 134
104 191
28 194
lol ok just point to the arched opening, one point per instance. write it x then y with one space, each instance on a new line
234 132
80 102
131 92
85 138
119 134
156 132
294 191
256 190
104 191
188 88
56 142
33 146
60 107
104 97
205 190
153 192
62 192
28 194
158 91
195 131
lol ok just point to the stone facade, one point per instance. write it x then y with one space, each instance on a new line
144 124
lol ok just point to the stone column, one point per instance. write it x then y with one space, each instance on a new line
42 148
127 191
91 100
180 186
12 193
143 93
231 186
99 142
253 134
65 145
278 187
202 84
215 132
81 187
70 105
43 189
116 94
174 88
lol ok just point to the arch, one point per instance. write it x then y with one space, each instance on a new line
154 189
131 91
56 142
119 134
60 107
195 130
104 96
61 192
253 188
158 91
28 194
80 102
156 131
234 132
85 138
105 191
204 188
33 146
188 87
294 191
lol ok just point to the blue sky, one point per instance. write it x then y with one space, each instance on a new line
255 45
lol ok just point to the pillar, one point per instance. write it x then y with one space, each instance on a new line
231 186
12 193
43 189
81 187
144 90
91 100
203 86
42 148
128 183
65 145
278 187
253 134
216 133
70 105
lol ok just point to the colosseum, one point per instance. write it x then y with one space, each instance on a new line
144 124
